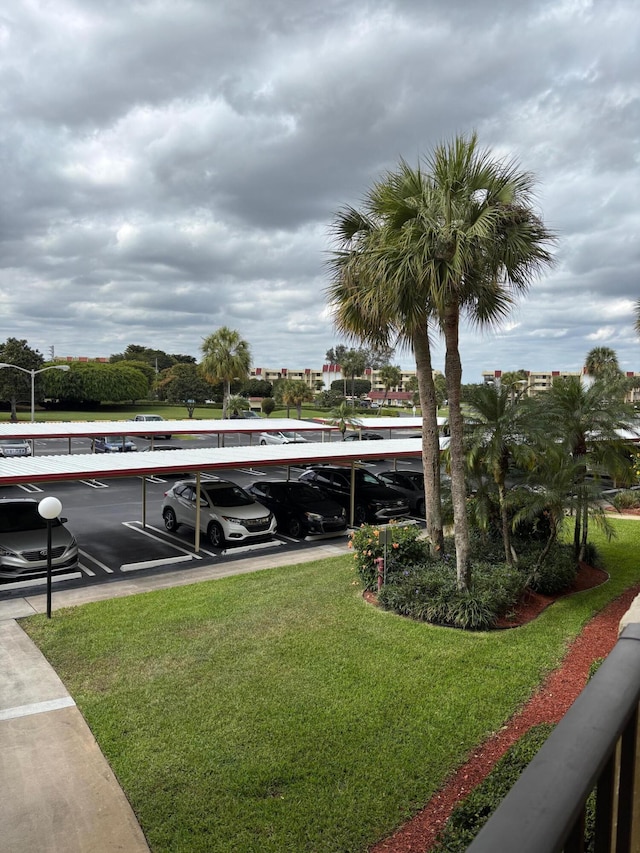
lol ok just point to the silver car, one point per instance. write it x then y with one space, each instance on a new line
227 512
14 447
23 541
280 437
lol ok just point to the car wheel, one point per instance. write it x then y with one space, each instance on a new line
215 535
295 528
262 442
359 515
170 520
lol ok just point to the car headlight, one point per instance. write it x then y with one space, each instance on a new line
7 552
313 516
233 520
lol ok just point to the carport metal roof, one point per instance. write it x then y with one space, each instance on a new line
91 429
87 466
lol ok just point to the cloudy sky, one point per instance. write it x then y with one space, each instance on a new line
171 166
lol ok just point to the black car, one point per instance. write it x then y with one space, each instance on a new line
300 509
410 483
363 436
375 502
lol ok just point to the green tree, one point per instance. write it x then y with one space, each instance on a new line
498 423
15 385
391 377
184 383
268 405
359 387
295 392
586 422
377 298
602 363
342 416
87 384
462 239
354 362
257 388
226 356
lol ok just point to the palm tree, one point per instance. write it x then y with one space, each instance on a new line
391 377
498 425
375 299
295 392
636 309
458 238
226 357
602 363
353 364
586 421
342 416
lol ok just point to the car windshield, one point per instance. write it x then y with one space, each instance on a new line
304 493
17 517
11 442
228 496
366 478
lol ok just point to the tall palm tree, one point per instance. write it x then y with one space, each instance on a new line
342 416
636 309
226 356
499 422
353 364
375 299
586 422
457 238
391 377
602 363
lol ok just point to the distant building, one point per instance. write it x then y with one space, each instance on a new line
322 379
537 382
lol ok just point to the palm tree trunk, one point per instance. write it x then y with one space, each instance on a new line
453 375
225 397
585 530
430 443
506 538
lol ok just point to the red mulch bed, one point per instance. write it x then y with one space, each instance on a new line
548 705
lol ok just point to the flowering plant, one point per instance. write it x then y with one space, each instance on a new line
405 547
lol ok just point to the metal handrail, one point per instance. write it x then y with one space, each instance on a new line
593 747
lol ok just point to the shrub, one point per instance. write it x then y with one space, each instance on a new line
627 499
407 549
557 573
429 593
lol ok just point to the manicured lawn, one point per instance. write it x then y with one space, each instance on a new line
279 712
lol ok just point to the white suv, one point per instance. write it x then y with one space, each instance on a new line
227 512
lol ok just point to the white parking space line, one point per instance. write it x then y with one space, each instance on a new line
162 537
152 479
149 564
95 484
95 560
87 570
30 488
252 472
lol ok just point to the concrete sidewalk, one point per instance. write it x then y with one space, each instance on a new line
59 793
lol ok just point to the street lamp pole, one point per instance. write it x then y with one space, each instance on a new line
32 374
49 508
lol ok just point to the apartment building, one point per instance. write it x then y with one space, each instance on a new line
539 381
322 379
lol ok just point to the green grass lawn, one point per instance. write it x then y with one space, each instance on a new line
279 712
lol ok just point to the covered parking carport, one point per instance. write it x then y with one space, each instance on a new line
51 469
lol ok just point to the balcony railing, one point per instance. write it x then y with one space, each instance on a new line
594 747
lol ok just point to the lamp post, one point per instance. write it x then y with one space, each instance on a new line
49 508
33 373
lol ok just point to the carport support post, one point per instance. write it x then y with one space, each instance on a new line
352 495
198 513
144 501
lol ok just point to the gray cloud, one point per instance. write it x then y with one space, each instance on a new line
169 168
